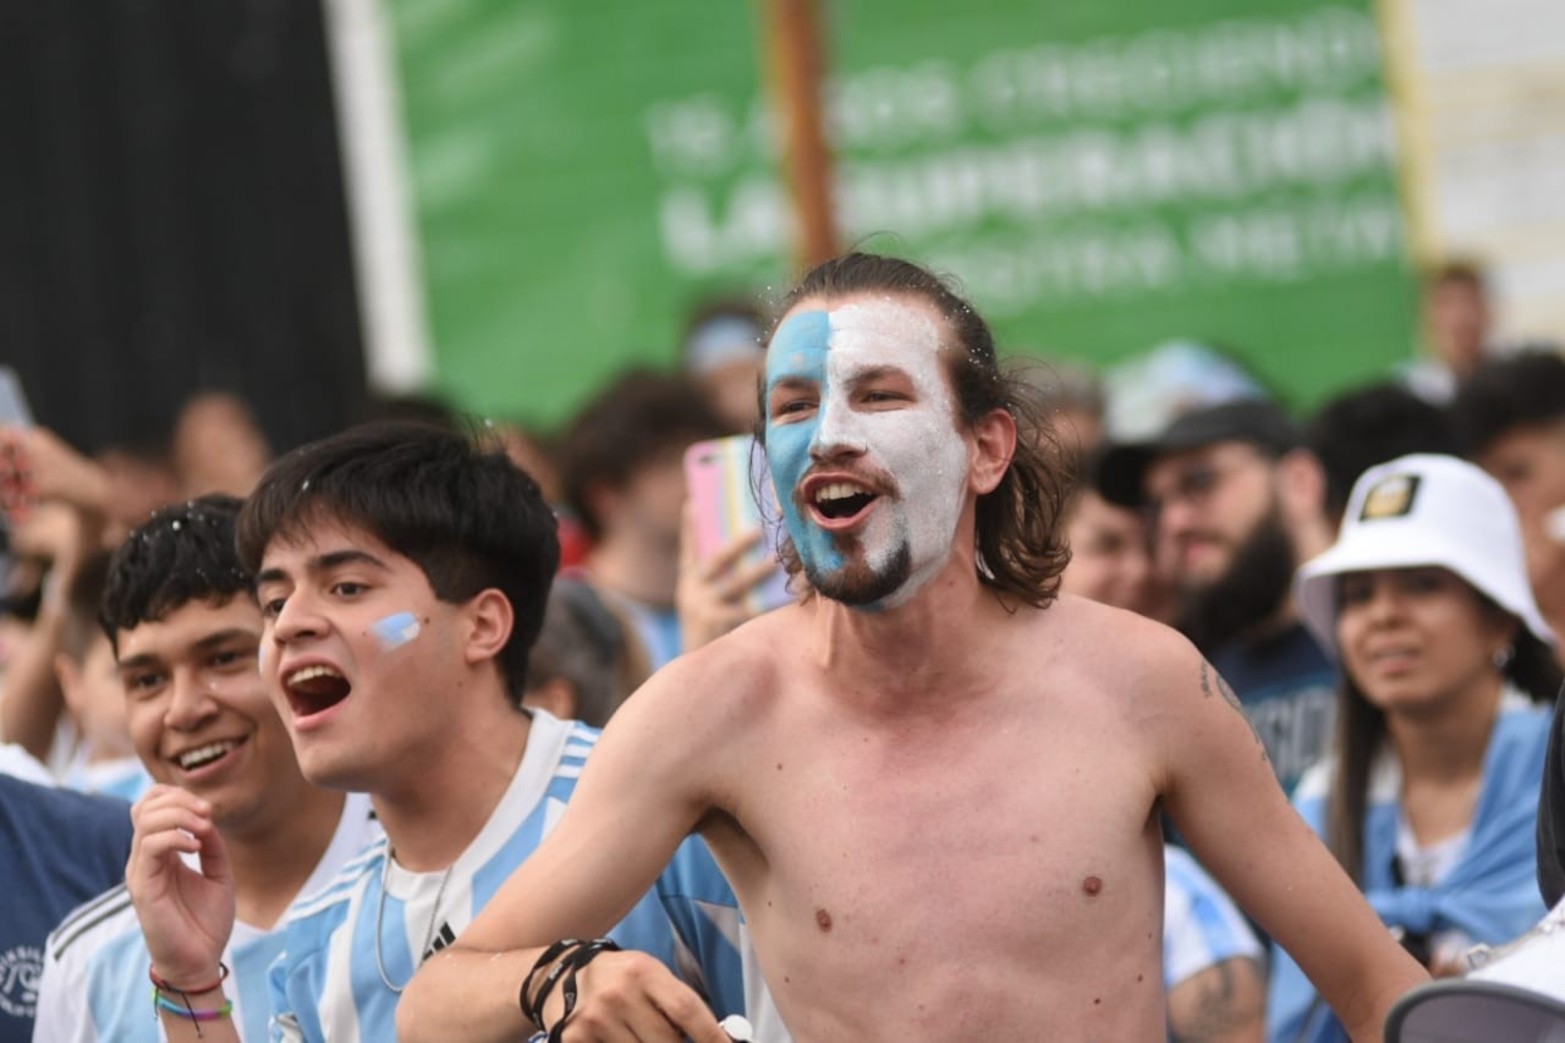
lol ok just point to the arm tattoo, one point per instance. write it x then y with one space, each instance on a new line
1230 1000
1210 680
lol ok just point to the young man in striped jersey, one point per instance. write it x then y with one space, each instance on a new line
183 621
402 572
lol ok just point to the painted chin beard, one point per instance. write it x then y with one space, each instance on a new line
860 584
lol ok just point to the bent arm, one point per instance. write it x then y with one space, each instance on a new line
1220 791
638 797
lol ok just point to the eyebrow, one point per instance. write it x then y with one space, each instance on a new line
205 644
789 383
873 373
324 563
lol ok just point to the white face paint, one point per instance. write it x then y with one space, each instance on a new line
885 409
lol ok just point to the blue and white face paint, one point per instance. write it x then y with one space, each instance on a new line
396 630
859 405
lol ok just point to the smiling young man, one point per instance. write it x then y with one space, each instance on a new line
934 786
185 629
402 572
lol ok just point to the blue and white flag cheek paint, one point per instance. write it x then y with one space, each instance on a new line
798 352
396 630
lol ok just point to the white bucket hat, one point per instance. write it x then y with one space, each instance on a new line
1417 511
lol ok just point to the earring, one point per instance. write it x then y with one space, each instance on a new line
1502 657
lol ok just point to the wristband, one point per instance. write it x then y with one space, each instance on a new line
163 985
162 1002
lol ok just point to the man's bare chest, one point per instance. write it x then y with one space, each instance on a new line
946 836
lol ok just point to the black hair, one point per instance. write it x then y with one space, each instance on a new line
584 643
1506 393
446 500
642 416
1021 548
1371 425
183 553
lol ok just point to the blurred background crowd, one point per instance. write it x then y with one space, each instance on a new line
1246 253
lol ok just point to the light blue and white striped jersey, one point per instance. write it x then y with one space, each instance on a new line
332 984
95 985
1201 925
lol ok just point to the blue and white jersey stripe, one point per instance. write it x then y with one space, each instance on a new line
1201 925
95 985
328 984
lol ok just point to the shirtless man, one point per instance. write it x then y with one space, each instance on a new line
935 786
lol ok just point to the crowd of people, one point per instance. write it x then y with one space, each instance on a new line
1233 730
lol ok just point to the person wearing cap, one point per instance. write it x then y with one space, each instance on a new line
1429 796
722 355
1236 502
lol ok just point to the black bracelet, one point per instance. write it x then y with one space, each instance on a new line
532 1006
575 960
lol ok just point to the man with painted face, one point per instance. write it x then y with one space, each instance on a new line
935 783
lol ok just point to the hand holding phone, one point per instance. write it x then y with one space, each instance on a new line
729 571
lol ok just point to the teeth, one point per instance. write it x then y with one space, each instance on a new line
310 673
205 754
838 491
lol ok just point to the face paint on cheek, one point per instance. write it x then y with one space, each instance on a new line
918 446
798 353
396 630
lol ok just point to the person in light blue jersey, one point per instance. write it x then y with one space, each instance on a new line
402 573
1212 961
184 628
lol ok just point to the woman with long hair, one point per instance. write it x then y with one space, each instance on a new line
1430 796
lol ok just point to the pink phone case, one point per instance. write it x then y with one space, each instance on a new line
723 495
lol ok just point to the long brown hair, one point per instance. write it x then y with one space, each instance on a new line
1021 551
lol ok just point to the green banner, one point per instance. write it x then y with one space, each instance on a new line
1100 177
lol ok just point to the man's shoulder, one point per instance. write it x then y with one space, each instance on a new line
1115 641
26 802
93 925
316 916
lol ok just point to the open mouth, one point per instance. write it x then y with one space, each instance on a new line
314 689
841 501
205 756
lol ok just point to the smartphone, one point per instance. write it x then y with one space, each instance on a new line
731 494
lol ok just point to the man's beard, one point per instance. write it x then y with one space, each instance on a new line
858 584
1249 592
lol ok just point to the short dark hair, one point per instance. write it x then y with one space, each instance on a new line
640 417
1506 393
447 500
1371 425
1456 271
584 643
183 553
1021 550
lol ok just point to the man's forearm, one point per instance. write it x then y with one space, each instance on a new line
1366 1023
467 994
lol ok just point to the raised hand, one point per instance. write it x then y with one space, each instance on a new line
710 594
187 915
